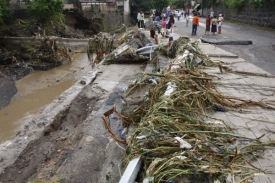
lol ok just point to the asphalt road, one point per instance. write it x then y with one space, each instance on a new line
261 53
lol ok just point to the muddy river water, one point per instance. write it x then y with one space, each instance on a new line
39 89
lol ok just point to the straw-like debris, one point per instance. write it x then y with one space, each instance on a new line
126 52
98 46
176 138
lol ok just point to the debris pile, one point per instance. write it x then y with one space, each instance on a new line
48 54
126 52
103 47
175 135
44 54
99 45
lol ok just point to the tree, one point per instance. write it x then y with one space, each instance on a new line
141 5
160 4
5 10
45 10
178 3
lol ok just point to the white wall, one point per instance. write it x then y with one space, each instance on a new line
127 6
127 17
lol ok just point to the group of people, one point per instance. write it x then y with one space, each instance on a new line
140 20
215 24
167 23
212 23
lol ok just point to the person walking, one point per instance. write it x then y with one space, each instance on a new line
170 26
178 14
187 19
211 15
195 25
214 22
138 19
142 25
163 27
207 24
220 21
158 14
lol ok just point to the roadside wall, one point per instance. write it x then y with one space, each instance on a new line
262 16
111 20
69 42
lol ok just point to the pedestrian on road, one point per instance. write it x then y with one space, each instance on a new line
207 23
195 25
220 21
158 14
163 27
179 14
142 25
138 19
211 14
170 25
214 22
187 18
166 15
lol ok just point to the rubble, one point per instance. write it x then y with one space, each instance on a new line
175 134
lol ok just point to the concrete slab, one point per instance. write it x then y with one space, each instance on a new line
130 174
229 60
225 41
213 51
248 67
252 122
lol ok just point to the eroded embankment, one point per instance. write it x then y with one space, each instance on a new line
75 144
59 141
48 120
68 139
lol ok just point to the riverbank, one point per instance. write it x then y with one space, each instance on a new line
38 89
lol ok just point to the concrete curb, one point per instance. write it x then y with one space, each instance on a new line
226 42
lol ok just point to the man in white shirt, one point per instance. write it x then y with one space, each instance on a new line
220 21
138 19
211 14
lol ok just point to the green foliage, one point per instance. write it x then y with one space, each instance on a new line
234 4
141 5
28 48
5 10
239 4
178 3
209 3
160 4
46 10
258 3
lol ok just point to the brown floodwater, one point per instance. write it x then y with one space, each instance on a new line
38 89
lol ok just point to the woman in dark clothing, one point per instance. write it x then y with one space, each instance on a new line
207 23
214 22
157 14
170 29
